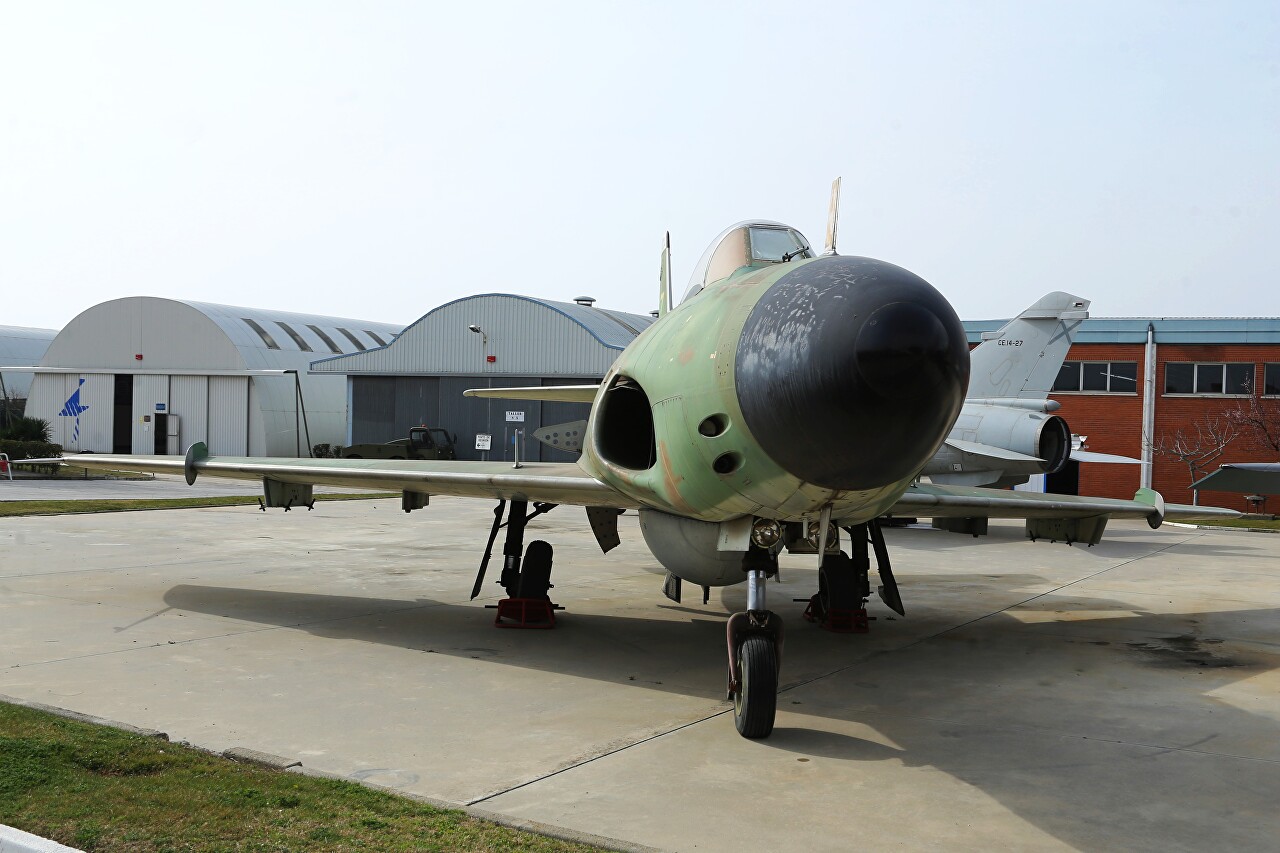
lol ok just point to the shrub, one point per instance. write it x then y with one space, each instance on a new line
32 450
326 451
27 429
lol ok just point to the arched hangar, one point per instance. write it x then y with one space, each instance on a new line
20 345
149 375
483 341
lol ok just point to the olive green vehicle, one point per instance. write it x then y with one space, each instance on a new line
422 443
790 399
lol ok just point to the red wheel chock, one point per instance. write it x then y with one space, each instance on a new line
838 620
526 613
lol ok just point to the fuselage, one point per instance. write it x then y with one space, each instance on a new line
781 389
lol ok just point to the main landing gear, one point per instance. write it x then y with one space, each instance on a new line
526 573
755 655
843 585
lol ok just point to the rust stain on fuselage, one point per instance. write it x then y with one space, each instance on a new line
671 481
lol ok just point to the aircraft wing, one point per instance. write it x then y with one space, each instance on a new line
990 451
550 482
1262 478
935 501
550 393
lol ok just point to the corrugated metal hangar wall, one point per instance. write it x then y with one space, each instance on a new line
147 375
490 340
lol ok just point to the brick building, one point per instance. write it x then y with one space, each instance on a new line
1129 378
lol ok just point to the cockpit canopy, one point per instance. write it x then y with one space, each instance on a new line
754 244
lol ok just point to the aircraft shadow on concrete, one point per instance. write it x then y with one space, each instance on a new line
935 689
922 687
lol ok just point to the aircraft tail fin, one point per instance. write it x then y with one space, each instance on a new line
664 279
1023 357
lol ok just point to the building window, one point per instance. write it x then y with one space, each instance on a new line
328 341
1271 381
262 333
376 337
1099 377
297 338
1207 378
353 339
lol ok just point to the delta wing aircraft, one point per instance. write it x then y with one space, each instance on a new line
787 397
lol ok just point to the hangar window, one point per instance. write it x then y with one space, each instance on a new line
327 340
297 338
1207 378
262 333
1110 377
353 339
376 337
1271 382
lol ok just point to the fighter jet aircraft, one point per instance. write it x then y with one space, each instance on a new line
787 397
1006 431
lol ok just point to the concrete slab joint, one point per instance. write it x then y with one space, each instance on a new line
262 759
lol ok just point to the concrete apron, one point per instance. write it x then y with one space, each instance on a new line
1037 696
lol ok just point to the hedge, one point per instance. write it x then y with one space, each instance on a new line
31 450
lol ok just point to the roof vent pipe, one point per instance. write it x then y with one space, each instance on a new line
587 301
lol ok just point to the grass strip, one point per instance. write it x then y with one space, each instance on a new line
98 788
14 508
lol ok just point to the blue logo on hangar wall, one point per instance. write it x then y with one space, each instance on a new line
73 409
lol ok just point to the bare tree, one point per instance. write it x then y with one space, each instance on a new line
1199 449
1257 419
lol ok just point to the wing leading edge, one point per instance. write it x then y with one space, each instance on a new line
551 482
548 393
924 499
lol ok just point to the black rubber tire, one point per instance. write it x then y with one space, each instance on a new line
756 702
837 589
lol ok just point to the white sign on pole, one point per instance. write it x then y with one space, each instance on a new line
515 417
483 441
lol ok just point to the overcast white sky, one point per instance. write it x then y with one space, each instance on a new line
373 160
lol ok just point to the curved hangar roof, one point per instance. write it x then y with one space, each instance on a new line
21 345
177 334
525 336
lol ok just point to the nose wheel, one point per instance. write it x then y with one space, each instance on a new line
755 657
755 704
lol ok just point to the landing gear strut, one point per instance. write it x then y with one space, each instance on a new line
843 585
527 604
755 656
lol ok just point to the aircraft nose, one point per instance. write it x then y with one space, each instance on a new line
850 371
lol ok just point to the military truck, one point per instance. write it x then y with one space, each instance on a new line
422 443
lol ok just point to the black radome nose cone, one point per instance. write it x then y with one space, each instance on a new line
902 349
850 371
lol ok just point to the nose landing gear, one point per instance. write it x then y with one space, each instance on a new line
755 656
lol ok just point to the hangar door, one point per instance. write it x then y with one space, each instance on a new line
228 424
169 413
